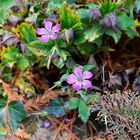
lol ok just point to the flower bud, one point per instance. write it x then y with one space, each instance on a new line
67 35
94 13
109 20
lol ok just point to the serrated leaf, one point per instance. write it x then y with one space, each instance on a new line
69 18
27 32
56 107
84 111
72 104
14 112
109 6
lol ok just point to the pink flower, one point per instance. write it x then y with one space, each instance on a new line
79 79
48 32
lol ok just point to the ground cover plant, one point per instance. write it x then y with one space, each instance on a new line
70 69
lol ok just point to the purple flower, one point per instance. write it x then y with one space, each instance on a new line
48 32
69 33
47 124
94 13
79 79
109 20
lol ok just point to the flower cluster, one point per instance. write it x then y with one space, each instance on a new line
79 79
49 32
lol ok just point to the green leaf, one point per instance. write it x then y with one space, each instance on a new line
58 62
116 35
84 111
79 39
9 54
124 22
6 4
39 48
109 6
56 107
27 32
131 32
88 67
84 50
69 18
93 33
2 131
72 104
52 5
12 55
14 112
138 5
2 110
92 98
84 15
22 62
128 4
2 16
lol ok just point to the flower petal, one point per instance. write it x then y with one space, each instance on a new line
78 71
87 75
48 25
41 31
87 84
54 36
56 28
77 86
71 79
44 38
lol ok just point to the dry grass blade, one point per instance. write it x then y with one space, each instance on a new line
35 80
21 134
11 94
36 103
